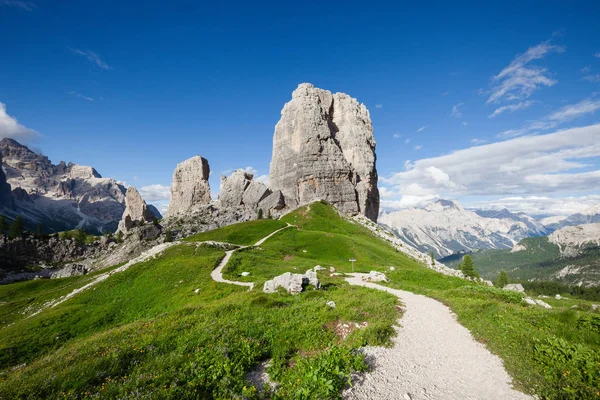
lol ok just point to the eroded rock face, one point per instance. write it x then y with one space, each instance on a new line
241 189
190 186
323 148
6 199
136 211
233 187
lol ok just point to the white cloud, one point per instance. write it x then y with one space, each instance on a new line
455 110
597 55
378 105
407 140
421 129
445 93
585 69
397 136
156 192
519 79
592 78
512 108
263 178
565 114
477 141
92 57
464 123
22 4
418 147
81 96
530 165
11 128
250 170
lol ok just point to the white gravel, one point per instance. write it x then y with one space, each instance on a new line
433 357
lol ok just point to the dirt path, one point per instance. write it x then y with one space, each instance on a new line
217 273
433 357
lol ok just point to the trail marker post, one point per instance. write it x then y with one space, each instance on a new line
352 261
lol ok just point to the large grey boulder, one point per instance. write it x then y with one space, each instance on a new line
255 193
292 283
136 211
232 189
274 201
515 287
190 186
323 148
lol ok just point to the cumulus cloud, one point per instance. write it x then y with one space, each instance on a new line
11 128
567 113
529 165
92 57
263 178
156 192
250 170
511 108
455 110
520 79
21 4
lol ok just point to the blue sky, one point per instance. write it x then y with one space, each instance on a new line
133 88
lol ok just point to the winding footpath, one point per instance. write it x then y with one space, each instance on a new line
433 357
217 273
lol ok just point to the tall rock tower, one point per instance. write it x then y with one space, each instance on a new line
323 148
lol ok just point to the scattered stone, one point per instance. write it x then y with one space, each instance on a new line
488 283
515 287
529 301
538 302
245 273
324 149
304 251
558 297
312 278
318 268
331 269
330 304
197 291
190 186
392 268
375 276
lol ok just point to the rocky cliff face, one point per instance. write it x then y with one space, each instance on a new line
62 196
323 148
6 199
136 211
190 186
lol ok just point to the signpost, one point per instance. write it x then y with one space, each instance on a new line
352 261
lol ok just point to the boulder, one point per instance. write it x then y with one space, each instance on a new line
233 187
255 192
292 283
323 148
375 276
273 201
190 186
136 211
515 287
330 304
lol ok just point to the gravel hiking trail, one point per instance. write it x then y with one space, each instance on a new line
433 357
217 273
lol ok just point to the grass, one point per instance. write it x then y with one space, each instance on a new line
145 333
244 233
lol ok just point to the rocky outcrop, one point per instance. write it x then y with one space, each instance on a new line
6 199
190 186
136 211
241 189
62 196
292 283
323 148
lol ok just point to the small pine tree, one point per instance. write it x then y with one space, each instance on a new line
502 279
16 228
155 221
260 213
119 236
168 236
468 268
3 224
432 258
81 236
269 216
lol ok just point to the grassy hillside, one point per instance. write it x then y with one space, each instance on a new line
146 333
